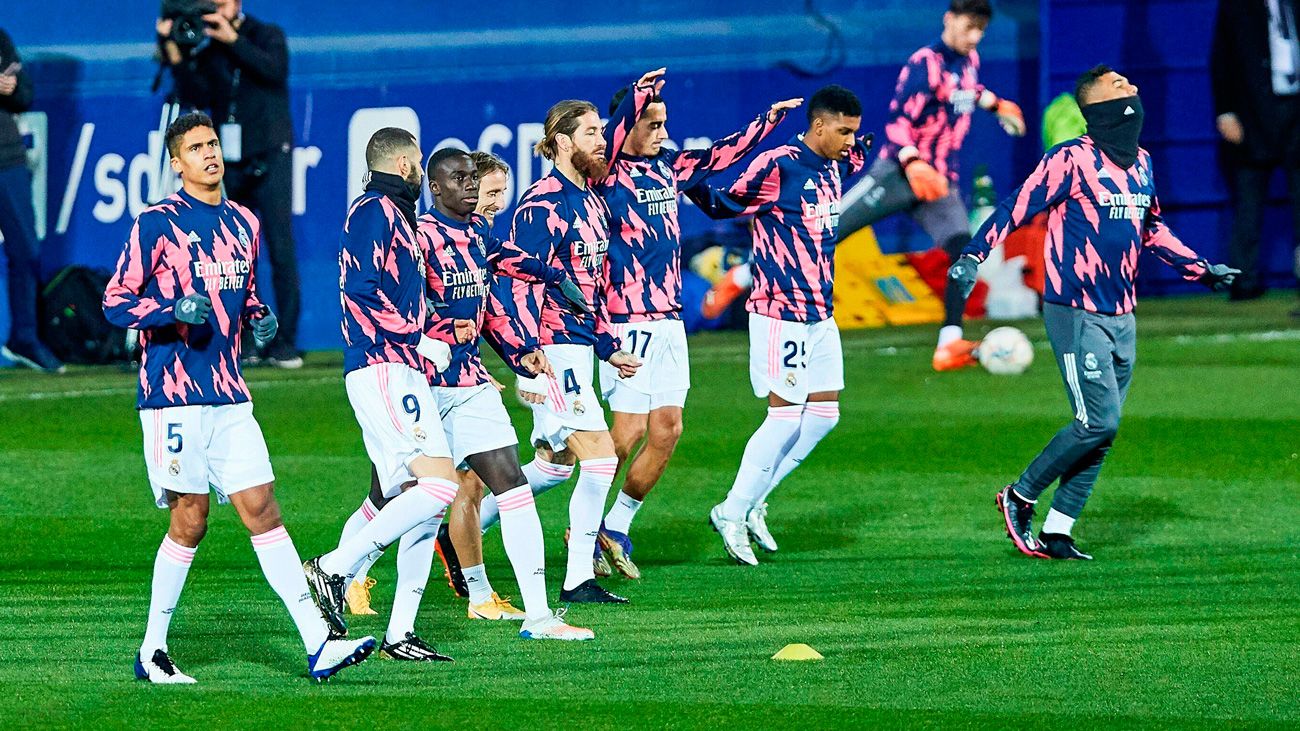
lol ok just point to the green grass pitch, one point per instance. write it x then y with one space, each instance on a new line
893 562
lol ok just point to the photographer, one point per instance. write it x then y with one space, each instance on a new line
17 218
237 68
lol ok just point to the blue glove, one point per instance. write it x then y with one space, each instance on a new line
573 294
193 309
962 274
1218 277
265 327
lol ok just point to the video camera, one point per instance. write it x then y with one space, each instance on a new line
187 20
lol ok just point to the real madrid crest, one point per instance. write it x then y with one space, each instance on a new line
243 235
790 380
578 408
1090 362
419 434
174 469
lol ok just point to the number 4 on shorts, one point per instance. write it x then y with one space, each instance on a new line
571 382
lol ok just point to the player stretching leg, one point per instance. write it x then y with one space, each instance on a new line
795 360
643 292
185 281
386 344
564 222
1100 195
917 171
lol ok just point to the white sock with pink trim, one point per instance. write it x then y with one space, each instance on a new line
521 531
773 438
430 496
170 568
819 418
585 508
414 561
355 523
283 570
541 475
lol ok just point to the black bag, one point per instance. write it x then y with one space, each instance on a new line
72 321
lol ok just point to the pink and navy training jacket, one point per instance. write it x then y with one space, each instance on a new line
794 195
179 247
643 268
382 287
936 92
568 227
511 324
462 259
1100 216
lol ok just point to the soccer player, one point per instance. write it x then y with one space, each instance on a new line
795 360
564 222
388 335
1100 195
917 172
463 256
643 290
185 281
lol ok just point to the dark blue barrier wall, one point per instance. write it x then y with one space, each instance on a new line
483 76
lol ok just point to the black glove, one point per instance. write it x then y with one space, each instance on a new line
265 328
193 309
867 141
573 294
962 274
1218 277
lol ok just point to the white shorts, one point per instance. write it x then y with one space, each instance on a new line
665 373
399 420
193 449
571 404
794 359
474 420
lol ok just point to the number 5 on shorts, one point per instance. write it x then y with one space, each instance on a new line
411 405
174 433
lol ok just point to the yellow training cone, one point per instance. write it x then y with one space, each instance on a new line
797 651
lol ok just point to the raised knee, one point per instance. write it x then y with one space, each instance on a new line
1097 432
188 530
664 435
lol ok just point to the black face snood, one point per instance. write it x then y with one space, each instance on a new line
1114 126
399 190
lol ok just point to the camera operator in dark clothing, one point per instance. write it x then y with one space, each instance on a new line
239 73
17 219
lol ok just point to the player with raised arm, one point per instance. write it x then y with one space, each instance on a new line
1100 196
185 281
918 170
795 358
643 292
388 336
564 222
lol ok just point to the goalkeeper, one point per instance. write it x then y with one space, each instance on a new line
1099 193
937 92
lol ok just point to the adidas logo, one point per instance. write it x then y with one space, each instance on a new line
577 219
1128 111
1104 173
194 238
635 172
808 185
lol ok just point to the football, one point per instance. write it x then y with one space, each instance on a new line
1005 351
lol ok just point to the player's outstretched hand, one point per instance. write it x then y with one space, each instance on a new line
574 297
1010 117
1218 277
653 78
927 183
466 330
435 351
537 364
625 362
962 274
781 107
193 309
265 327
499 386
